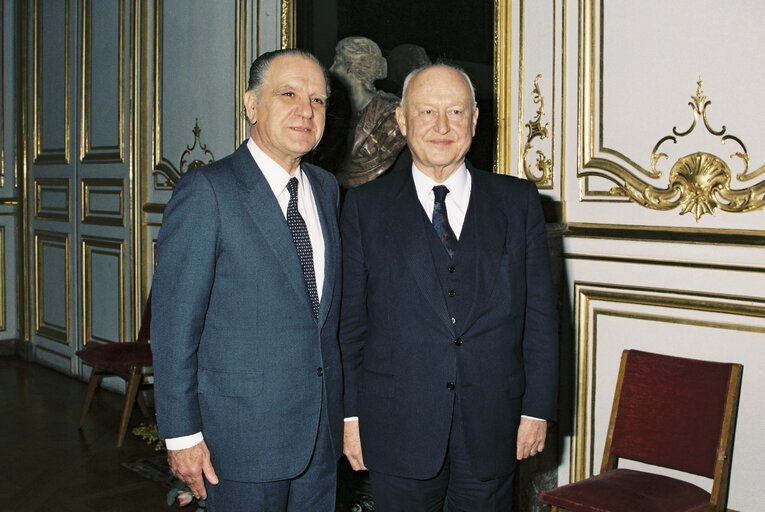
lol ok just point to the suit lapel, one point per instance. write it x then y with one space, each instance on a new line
404 216
326 208
267 216
490 225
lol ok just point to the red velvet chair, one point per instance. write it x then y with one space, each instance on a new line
126 360
668 411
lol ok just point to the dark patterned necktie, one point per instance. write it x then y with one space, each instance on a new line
302 244
441 221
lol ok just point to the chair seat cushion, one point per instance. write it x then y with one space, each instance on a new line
626 490
114 354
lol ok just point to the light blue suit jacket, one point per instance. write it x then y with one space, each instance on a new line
237 351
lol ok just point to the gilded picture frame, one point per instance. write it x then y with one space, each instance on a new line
500 79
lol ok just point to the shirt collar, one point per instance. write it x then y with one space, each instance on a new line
458 184
274 173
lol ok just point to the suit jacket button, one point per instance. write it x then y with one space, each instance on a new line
458 341
452 269
319 371
452 293
450 386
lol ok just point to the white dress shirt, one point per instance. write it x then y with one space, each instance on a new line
277 178
459 185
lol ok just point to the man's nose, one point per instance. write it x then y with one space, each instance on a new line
304 108
442 123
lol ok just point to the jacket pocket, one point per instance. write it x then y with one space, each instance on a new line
229 382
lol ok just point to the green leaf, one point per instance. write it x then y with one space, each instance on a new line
172 494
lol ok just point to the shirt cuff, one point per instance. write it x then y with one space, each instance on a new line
181 443
351 418
532 418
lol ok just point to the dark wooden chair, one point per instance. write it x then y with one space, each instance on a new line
126 360
668 411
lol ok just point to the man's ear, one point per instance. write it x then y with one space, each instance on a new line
401 120
475 120
251 106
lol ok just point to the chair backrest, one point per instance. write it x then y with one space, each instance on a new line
144 332
674 412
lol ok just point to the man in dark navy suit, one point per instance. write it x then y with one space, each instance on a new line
448 328
248 381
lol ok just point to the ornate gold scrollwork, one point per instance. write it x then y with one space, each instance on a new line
167 176
699 182
543 164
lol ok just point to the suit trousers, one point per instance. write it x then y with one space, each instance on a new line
453 489
313 490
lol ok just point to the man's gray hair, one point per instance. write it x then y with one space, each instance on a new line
261 65
420 69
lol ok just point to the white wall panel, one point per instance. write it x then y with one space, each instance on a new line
103 290
52 81
642 64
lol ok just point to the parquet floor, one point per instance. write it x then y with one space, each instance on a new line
47 464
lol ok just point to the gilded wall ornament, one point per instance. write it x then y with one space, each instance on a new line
699 182
166 175
536 130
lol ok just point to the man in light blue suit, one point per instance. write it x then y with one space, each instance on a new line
245 308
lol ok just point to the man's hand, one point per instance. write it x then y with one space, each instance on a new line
189 464
352 445
531 437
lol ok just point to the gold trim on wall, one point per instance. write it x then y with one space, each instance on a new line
101 154
697 183
666 234
59 333
22 141
502 80
139 96
542 170
50 155
582 447
288 22
536 129
43 212
167 176
158 38
242 76
90 215
563 123
108 247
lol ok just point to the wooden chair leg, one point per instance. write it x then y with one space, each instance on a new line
130 398
142 404
95 377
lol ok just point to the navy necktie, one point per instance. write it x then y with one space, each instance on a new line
441 221
302 244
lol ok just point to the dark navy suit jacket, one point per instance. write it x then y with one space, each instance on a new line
398 341
237 351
